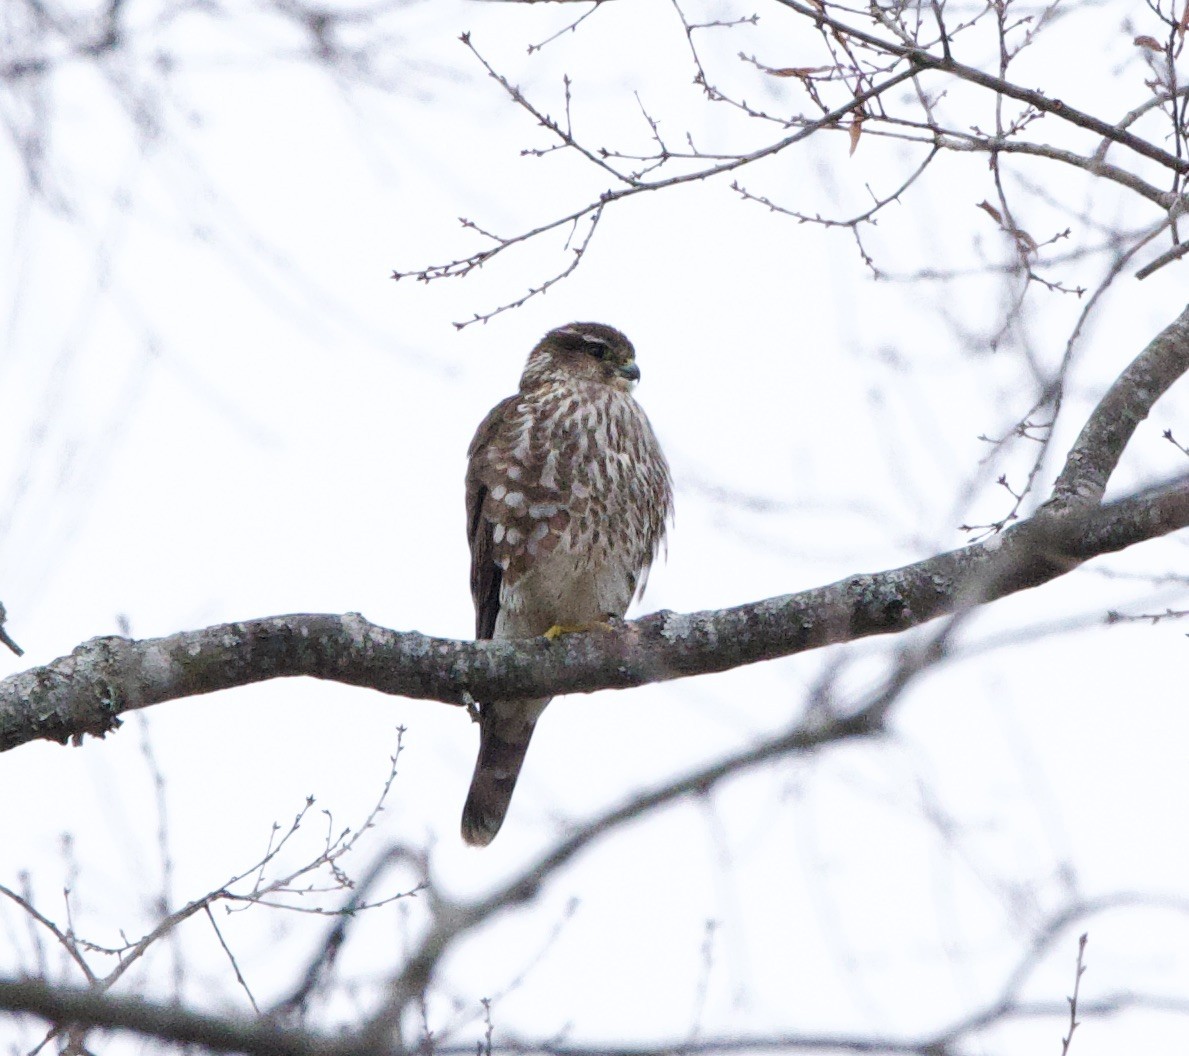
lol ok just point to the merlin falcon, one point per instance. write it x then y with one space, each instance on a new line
568 496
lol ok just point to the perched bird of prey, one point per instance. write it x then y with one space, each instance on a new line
568 495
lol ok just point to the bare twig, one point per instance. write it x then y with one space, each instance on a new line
465 265
923 59
866 65
1073 1000
1167 435
4 636
1167 257
329 949
65 941
1146 617
239 977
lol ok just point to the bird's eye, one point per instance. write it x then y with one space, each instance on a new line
586 340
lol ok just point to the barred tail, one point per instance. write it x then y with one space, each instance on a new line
504 733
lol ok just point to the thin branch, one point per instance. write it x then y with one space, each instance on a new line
572 27
65 941
1167 257
324 958
853 221
578 251
1153 618
845 43
1053 394
968 141
922 59
1073 1000
465 265
565 135
872 1045
239 978
4 638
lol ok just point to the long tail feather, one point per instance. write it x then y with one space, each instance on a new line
503 741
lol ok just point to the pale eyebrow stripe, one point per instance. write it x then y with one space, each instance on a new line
594 339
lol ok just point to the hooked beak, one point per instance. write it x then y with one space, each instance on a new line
629 371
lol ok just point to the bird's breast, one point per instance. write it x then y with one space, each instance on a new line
577 497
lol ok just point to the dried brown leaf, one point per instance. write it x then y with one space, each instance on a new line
1026 241
856 130
794 71
991 211
1148 43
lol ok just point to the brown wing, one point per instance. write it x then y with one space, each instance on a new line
504 728
486 575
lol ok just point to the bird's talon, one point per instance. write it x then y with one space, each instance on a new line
558 629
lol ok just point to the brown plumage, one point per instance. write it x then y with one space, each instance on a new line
568 495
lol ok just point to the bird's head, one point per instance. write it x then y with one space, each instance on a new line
590 351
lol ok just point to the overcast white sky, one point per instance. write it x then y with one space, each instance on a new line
215 404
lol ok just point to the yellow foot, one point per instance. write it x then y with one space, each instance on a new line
558 629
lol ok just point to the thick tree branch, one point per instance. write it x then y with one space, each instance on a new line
169 1022
62 1005
86 691
822 723
1098 448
